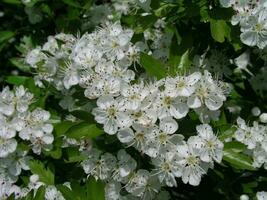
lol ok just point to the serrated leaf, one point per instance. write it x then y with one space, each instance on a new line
20 64
152 66
84 130
219 30
45 174
238 160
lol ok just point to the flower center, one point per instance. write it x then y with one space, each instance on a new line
167 101
140 136
258 27
163 138
166 167
180 84
192 160
112 112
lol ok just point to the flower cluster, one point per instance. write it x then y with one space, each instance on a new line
176 158
140 112
255 138
97 61
251 15
18 122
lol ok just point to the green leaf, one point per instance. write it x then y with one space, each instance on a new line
20 64
84 130
45 174
72 3
184 61
74 155
6 35
66 192
12 1
16 80
152 66
219 30
95 190
235 146
40 194
238 160
62 127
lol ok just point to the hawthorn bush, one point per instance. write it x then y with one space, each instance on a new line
133 99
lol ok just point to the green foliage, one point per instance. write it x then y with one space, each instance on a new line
92 189
45 174
152 66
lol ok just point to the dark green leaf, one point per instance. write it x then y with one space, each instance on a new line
152 66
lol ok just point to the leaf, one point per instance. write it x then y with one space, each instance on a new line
6 35
72 3
12 1
45 174
66 192
184 61
62 127
95 189
235 146
238 160
16 80
219 30
84 130
19 63
40 194
74 155
152 66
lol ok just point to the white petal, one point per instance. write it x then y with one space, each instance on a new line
193 102
126 135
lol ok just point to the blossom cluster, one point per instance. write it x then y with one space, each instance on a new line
255 138
140 112
18 122
251 15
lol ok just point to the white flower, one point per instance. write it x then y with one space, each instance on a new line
192 168
163 138
112 190
51 193
139 137
167 168
133 95
182 85
254 32
211 148
261 195
137 182
170 106
249 135
99 166
111 114
8 143
126 165
208 92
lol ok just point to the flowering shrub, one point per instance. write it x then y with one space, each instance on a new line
135 99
